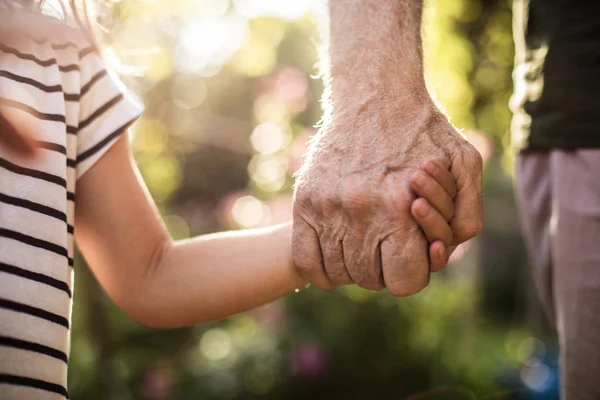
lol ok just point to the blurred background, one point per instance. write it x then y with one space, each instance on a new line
231 99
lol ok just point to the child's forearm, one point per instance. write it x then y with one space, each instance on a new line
215 276
162 283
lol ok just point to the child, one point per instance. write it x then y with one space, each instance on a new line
83 184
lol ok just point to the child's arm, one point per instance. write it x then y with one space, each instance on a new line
162 283
214 276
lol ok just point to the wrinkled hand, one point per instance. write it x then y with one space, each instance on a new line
352 209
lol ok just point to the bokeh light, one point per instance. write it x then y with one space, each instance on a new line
268 138
231 101
215 344
249 212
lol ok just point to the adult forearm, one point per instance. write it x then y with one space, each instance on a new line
380 126
375 95
373 52
214 276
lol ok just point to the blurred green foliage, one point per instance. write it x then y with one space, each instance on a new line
230 102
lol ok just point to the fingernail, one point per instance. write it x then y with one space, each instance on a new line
441 252
423 210
418 180
431 167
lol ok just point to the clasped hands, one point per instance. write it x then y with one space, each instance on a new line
381 201
384 198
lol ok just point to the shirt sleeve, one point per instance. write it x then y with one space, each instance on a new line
106 110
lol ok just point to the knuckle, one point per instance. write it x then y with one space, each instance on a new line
356 195
302 200
322 200
400 198
421 180
468 230
330 202
474 158
315 197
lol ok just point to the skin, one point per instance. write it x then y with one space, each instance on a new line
355 214
13 137
16 132
164 283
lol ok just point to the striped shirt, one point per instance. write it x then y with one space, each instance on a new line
60 86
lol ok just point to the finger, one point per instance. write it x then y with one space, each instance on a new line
14 140
467 221
333 259
405 263
306 254
362 236
442 175
438 256
428 188
363 259
431 222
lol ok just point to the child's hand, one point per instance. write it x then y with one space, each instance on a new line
434 208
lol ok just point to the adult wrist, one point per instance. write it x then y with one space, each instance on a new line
354 103
397 86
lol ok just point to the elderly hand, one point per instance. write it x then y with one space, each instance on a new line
352 210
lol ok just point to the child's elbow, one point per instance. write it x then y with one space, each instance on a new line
142 302
155 312
146 314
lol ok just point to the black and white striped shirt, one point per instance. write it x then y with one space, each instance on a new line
61 87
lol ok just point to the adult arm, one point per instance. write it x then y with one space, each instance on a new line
165 283
352 211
